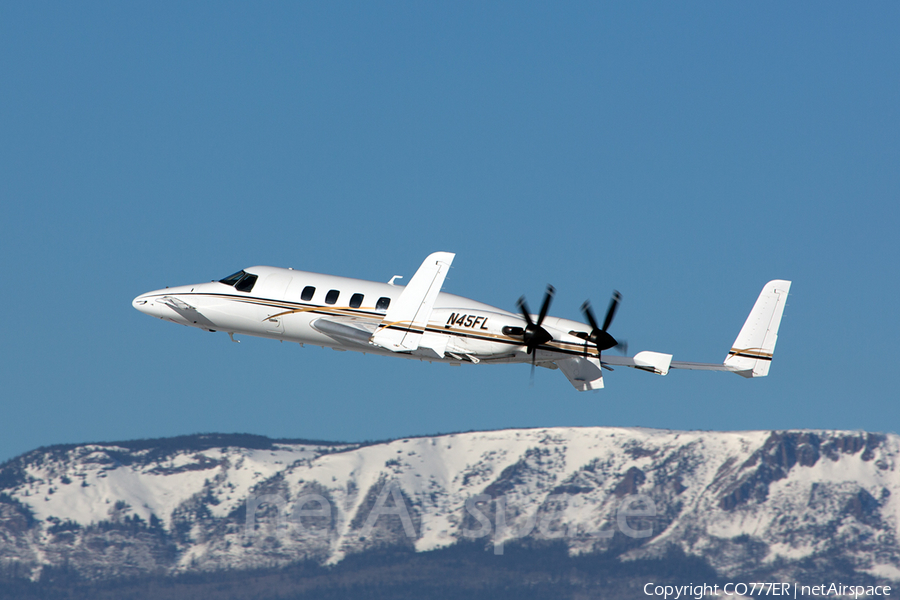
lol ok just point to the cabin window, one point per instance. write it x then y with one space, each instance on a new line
382 303
307 294
356 300
246 283
332 296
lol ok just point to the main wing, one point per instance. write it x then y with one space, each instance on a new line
403 326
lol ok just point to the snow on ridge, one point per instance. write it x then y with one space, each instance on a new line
780 488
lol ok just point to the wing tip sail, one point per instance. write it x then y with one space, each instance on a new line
753 349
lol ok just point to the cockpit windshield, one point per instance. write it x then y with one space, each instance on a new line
242 281
232 279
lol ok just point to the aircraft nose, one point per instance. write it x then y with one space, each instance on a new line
146 305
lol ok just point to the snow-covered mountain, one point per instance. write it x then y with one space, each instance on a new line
778 502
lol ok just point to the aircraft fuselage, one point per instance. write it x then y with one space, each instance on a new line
299 306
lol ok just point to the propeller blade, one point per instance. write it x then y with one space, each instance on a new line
589 314
534 335
525 312
546 305
599 336
611 311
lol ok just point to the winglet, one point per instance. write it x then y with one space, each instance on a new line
403 324
751 354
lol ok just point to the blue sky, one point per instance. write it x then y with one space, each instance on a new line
682 154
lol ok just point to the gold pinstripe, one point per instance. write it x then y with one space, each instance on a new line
757 353
349 311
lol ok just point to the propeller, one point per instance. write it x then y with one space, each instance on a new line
599 336
534 335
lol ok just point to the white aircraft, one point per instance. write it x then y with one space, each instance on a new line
419 321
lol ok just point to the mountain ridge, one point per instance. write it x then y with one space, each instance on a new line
752 501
